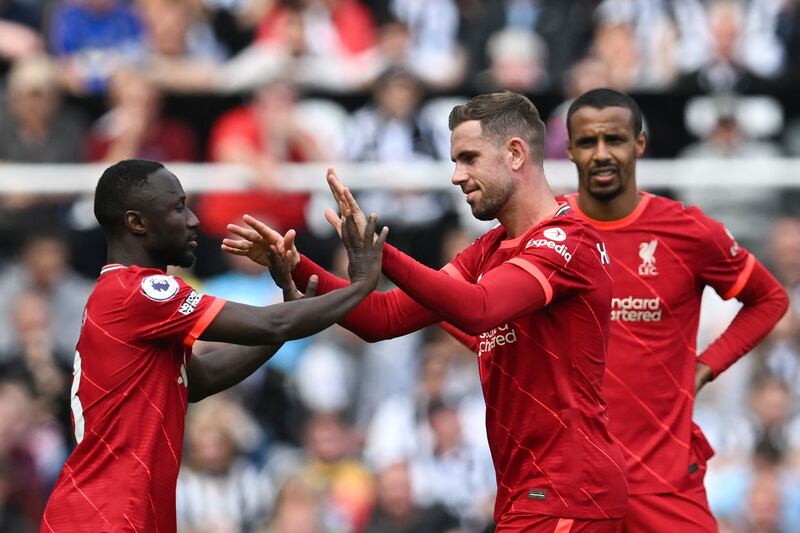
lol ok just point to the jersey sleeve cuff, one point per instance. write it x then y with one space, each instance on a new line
452 271
534 271
202 323
741 281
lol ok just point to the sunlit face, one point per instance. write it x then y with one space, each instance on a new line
604 148
482 170
171 226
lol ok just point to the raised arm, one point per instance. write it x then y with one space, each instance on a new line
249 325
221 369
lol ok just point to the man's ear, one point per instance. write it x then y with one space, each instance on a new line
641 143
518 150
134 222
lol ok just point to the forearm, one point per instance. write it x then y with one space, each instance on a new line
306 317
765 302
379 316
218 370
503 293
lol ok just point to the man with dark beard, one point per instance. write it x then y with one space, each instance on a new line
662 256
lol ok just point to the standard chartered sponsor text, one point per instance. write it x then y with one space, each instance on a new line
496 337
630 309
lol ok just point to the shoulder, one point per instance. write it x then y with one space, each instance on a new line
567 226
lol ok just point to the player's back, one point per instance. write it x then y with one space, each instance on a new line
542 374
663 254
129 397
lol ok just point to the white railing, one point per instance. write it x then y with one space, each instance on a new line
725 173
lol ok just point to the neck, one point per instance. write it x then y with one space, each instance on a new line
127 253
613 209
532 202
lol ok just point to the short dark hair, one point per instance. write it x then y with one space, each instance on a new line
117 191
503 115
603 98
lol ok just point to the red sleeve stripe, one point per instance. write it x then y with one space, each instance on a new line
451 270
534 271
741 281
203 322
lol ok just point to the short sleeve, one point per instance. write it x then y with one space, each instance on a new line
723 263
562 258
171 310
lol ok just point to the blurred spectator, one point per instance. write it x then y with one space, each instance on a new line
748 213
35 126
331 469
218 488
614 46
34 360
93 38
761 495
654 26
22 492
567 27
178 29
19 30
399 429
741 52
787 30
431 43
585 75
183 53
319 44
479 20
785 255
517 62
396 511
782 349
391 128
134 127
261 135
456 474
298 509
43 267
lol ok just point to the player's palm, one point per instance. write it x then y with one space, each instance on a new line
347 206
256 242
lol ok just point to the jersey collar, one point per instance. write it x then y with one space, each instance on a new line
627 220
109 268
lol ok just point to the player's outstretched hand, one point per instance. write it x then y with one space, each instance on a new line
282 276
364 251
347 205
256 241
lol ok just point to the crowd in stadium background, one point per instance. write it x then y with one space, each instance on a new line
336 435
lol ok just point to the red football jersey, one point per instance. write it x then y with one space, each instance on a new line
542 375
662 255
129 395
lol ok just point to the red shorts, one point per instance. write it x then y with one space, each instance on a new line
531 523
684 512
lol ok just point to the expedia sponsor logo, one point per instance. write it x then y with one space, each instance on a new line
632 309
496 337
560 249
